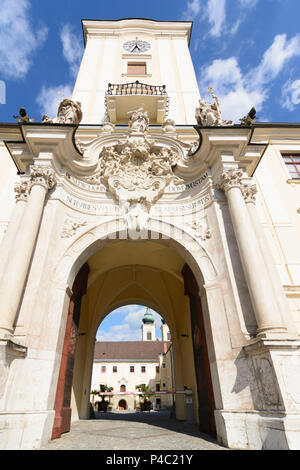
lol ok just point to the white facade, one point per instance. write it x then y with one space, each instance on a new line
137 205
124 375
168 63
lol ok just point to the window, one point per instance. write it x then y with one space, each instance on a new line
168 336
143 368
136 68
293 164
157 369
164 365
149 336
123 388
103 369
115 369
164 385
157 387
131 368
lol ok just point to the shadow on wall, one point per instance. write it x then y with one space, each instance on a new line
257 375
244 297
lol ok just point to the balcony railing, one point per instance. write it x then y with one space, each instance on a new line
136 88
124 97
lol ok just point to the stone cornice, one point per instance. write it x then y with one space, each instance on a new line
261 345
44 138
275 133
232 139
103 28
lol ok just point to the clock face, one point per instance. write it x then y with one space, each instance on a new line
137 46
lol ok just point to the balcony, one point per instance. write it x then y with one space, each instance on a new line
125 97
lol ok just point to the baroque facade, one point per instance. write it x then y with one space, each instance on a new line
139 192
127 364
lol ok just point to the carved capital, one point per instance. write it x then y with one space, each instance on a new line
21 191
43 176
231 178
249 192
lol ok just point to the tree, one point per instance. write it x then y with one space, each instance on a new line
145 403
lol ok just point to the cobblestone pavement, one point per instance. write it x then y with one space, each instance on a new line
133 431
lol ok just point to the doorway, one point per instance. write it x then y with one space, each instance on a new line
147 273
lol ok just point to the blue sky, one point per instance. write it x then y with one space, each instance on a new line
248 50
124 324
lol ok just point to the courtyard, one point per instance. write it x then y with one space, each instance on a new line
133 431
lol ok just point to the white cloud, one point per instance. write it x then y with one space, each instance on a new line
248 3
290 94
72 48
216 14
49 98
238 92
129 328
274 59
19 39
192 9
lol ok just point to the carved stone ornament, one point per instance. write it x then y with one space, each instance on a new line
231 178
136 170
169 125
42 175
249 192
70 227
139 120
108 127
21 191
209 114
80 145
69 112
201 230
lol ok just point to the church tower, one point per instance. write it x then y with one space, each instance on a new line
148 326
132 63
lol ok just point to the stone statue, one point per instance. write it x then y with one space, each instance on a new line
139 120
209 114
69 112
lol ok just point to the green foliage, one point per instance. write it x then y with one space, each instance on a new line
142 388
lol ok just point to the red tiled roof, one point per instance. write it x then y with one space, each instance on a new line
132 350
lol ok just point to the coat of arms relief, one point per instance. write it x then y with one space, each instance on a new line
137 170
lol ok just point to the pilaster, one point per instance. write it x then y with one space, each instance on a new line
266 311
12 283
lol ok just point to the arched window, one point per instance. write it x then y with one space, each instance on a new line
123 388
149 336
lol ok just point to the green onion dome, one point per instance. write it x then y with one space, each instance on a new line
148 317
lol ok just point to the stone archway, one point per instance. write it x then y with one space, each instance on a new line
137 291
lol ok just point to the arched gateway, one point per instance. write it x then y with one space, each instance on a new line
143 209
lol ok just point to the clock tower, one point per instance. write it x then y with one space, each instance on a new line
134 63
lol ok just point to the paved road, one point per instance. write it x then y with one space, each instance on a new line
133 431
